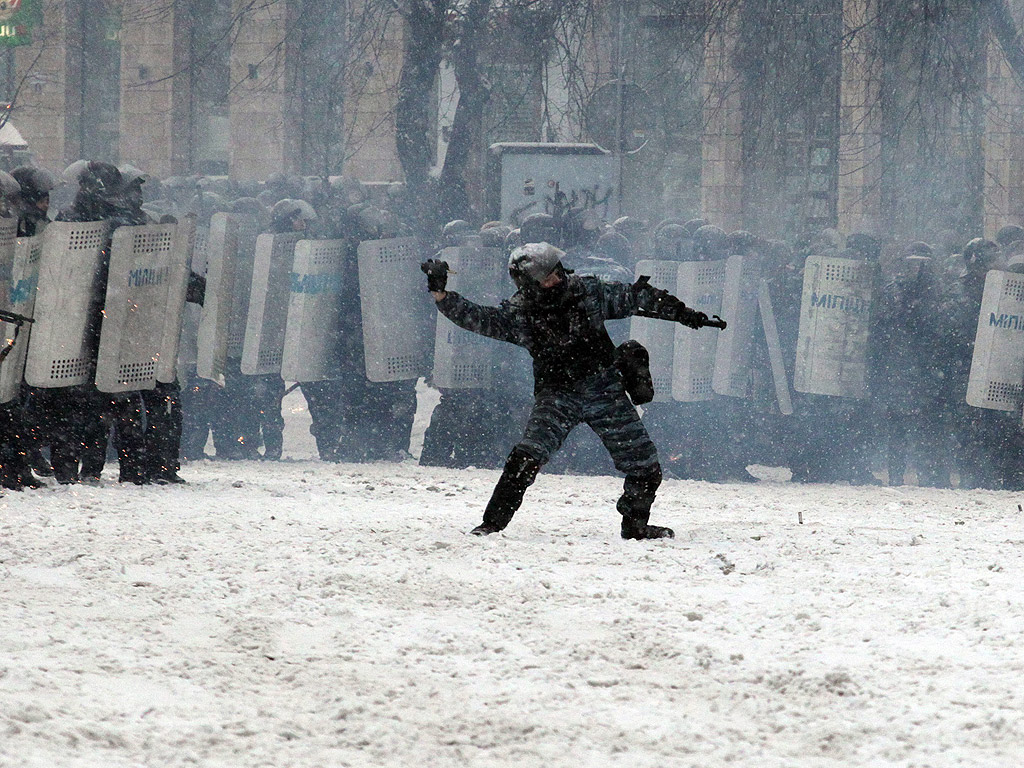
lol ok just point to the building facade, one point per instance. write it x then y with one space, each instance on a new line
780 116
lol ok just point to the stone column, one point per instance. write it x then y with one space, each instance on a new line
47 108
264 105
1003 143
860 123
155 124
722 147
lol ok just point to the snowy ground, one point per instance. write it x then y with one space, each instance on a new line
310 615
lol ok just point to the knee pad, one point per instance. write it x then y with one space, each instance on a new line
521 467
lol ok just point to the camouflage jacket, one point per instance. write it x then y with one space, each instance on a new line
568 341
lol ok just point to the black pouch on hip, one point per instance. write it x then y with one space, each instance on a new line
634 365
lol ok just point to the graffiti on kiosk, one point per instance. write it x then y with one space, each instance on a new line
558 202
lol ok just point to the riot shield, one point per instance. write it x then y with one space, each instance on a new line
835 314
699 285
312 343
462 359
59 350
658 336
732 373
248 232
198 261
19 295
398 313
997 368
263 346
181 257
215 317
138 282
771 337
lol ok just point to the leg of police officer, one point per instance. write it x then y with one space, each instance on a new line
608 411
53 415
128 414
323 398
197 414
269 391
163 432
439 439
553 416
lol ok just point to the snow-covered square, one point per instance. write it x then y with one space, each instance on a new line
304 614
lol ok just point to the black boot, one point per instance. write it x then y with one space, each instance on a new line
635 507
520 471
637 528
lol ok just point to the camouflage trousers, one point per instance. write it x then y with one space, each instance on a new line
600 402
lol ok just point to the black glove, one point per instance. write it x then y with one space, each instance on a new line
691 318
437 274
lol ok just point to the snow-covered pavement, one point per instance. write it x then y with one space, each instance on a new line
303 614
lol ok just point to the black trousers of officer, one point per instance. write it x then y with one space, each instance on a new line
163 430
602 403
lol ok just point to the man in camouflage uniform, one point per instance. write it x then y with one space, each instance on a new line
559 318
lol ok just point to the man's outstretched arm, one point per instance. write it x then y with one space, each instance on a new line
622 300
493 322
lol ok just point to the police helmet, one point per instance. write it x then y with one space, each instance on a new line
529 264
539 228
709 242
980 252
36 183
864 246
1011 233
694 224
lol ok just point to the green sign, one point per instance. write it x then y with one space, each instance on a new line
17 19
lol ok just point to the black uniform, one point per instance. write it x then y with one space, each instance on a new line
575 380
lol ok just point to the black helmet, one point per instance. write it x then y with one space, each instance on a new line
493 234
864 246
918 250
531 263
672 242
741 242
246 206
539 228
513 240
456 228
1011 233
287 211
615 246
694 224
709 242
980 252
36 183
629 226
95 177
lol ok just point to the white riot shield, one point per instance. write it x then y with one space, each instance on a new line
215 316
138 283
19 295
188 341
398 312
198 262
312 343
997 368
771 337
732 373
835 315
462 359
699 285
658 336
263 348
59 353
181 257
248 232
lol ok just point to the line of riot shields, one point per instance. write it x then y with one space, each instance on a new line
840 364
